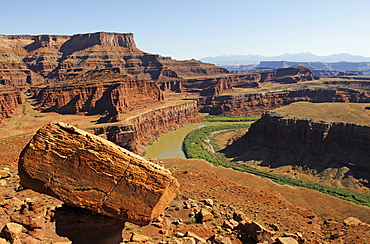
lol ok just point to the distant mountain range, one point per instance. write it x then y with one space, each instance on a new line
292 57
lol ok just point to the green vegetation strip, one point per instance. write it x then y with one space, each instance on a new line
195 146
215 118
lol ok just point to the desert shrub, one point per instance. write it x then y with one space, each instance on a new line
195 147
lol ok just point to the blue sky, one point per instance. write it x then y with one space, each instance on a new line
185 29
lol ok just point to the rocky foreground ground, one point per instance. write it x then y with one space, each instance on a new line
215 205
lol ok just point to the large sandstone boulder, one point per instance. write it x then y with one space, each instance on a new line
87 171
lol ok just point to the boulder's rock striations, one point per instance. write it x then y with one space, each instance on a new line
86 171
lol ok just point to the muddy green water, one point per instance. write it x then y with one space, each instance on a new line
169 145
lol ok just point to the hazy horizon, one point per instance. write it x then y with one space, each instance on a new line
199 29
289 57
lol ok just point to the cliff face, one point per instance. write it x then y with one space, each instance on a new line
284 75
221 84
83 41
289 75
10 99
56 58
14 72
109 99
139 130
255 103
52 59
191 68
283 140
333 66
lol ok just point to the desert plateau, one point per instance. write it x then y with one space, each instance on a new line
275 155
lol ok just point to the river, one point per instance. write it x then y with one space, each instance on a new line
169 145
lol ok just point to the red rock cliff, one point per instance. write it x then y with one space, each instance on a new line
10 99
283 140
139 130
83 41
109 99
220 84
257 101
14 72
57 58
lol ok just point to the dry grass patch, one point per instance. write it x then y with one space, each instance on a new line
329 112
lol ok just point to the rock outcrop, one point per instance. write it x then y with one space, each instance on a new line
285 75
10 99
278 140
327 66
137 131
83 41
89 172
224 83
14 72
288 75
27 59
255 102
111 99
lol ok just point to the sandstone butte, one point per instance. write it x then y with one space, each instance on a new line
90 172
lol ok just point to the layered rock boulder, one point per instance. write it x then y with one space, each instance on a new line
90 172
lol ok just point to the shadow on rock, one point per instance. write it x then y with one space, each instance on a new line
83 226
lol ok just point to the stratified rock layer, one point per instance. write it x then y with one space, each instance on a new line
26 59
10 99
255 102
86 171
109 99
138 130
324 146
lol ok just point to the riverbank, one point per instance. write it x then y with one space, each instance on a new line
170 145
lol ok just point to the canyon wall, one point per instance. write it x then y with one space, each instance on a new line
13 71
109 99
280 140
288 75
55 58
336 66
136 132
224 83
254 103
10 99
83 41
